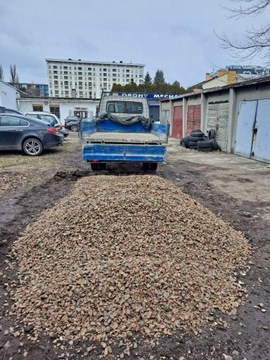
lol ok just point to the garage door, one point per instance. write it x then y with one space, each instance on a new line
253 130
245 125
177 128
218 119
193 118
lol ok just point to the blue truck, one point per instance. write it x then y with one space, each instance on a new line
123 132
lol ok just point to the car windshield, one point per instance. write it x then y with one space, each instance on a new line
124 107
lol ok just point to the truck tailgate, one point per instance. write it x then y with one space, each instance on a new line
124 152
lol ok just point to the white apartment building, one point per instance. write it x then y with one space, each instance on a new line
87 79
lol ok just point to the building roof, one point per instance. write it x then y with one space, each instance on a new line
95 62
250 82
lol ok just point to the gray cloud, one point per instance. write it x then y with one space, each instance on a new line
172 35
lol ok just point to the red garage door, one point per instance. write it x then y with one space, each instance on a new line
193 118
177 125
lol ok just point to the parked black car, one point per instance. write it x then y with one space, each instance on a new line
72 123
30 135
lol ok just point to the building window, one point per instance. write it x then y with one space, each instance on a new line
54 109
37 107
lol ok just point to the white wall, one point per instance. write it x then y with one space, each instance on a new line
66 106
8 96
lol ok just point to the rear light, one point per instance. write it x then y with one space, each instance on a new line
52 130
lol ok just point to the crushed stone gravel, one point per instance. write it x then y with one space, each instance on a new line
125 255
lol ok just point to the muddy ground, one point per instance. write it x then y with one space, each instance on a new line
234 188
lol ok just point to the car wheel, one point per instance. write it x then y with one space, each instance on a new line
74 128
32 147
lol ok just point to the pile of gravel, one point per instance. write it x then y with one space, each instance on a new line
125 255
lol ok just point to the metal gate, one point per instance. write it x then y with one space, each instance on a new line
253 130
218 118
177 128
245 125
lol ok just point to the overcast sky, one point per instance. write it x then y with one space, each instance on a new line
175 36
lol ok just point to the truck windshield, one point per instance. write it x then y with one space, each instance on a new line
124 107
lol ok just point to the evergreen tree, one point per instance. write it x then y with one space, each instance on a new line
159 77
147 78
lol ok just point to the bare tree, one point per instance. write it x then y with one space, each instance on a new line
14 78
1 73
256 40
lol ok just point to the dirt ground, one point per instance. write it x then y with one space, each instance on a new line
234 188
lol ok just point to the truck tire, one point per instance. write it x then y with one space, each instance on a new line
214 144
196 138
152 166
102 166
185 141
192 144
95 166
196 133
204 146
212 134
145 166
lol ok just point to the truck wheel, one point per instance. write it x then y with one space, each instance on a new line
94 166
102 166
152 166
145 166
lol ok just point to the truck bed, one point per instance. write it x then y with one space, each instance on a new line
125 137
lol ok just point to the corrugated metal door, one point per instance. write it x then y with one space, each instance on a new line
177 127
245 126
261 132
218 118
193 118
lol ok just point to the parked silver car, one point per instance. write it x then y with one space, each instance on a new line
30 135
